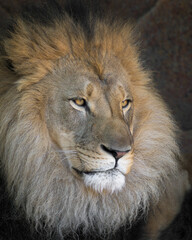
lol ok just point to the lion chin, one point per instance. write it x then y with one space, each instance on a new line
110 181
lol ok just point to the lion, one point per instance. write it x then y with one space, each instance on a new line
87 142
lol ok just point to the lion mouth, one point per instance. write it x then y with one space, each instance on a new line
109 171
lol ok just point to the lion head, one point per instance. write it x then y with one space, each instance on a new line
89 120
86 140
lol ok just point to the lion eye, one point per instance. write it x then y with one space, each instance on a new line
80 102
125 103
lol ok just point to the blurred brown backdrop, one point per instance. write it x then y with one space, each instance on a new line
165 29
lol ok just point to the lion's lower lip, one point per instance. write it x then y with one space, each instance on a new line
95 172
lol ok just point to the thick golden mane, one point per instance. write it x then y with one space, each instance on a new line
34 49
34 53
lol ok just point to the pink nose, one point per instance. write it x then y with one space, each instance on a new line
119 154
116 154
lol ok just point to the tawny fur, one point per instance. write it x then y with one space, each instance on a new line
33 167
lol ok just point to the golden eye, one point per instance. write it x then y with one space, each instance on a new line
80 102
125 103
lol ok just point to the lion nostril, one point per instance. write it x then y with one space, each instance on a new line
115 153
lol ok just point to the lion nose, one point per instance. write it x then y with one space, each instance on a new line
120 154
115 153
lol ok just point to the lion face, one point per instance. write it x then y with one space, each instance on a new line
90 121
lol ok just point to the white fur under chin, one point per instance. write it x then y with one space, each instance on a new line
111 181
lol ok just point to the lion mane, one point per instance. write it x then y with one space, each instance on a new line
40 45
